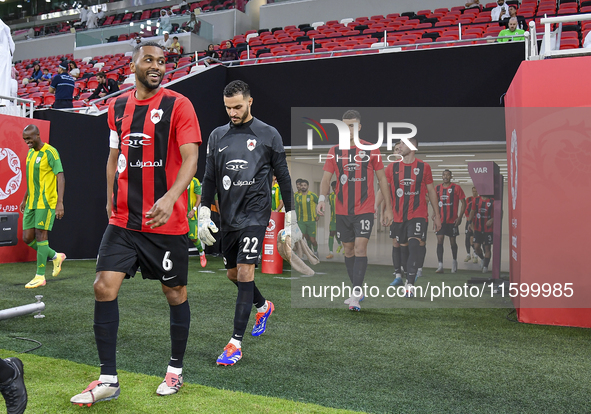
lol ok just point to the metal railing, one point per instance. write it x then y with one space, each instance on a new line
20 107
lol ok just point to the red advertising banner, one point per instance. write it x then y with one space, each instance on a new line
548 129
272 261
13 183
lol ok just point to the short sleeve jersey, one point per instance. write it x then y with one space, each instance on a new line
408 186
149 135
354 169
275 196
63 85
468 206
305 206
449 201
483 212
42 168
193 190
241 161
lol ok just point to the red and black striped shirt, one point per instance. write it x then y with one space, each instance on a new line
408 187
150 134
354 169
449 201
483 212
468 206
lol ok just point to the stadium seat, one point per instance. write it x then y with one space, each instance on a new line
48 99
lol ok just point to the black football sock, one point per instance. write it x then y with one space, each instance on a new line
422 254
396 260
258 299
243 307
404 257
467 243
359 269
440 252
350 264
413 258
180 320
6 371
486 261
454 251
106 324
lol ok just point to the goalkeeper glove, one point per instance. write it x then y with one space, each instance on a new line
291 228
206 226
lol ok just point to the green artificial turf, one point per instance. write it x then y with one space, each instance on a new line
382 359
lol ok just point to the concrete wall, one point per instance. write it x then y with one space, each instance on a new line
47 46
309 11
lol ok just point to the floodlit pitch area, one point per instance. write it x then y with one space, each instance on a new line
396 359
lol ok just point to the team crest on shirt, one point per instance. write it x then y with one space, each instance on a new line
156 115
38 160
226 182
343 179
417 171
488 204
251 143
449 190
399 192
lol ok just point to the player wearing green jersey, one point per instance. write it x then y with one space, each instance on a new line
276 199
43 202
193 201
305 206
333 223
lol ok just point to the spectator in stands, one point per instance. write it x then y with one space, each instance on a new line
135 41
210 52
193 25
101 14
175 47
229 53
62 85
14 83
166 41
83 16
500 12
46 75
105 87
73 70
91 20
37 73
473 3
165 24
521 23
511 31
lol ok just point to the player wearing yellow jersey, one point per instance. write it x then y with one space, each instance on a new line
305 206
333 223
276 199
193 201
43 202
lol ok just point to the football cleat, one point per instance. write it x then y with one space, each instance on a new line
230 356
475 259
354 303
171 385
454 266
409 291
37 281
484 269
397 281
419 272
440 268
13 390
261 320
467 259
340 248
348 301
330 256
57 264
97 391
203 260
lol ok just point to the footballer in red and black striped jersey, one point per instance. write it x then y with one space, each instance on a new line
452 204
468 229
354 199
410 180
154 148
481 217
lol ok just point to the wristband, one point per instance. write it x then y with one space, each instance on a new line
321 199
195 208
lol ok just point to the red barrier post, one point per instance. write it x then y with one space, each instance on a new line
272 261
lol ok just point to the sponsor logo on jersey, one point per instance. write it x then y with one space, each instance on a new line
121 163
399 192
146 164
251 144
440 204
237 165
156 115
240 183
444 197
136 140
416 171
358 179
351 167
478 215
226 182
408 193
343 179
407 182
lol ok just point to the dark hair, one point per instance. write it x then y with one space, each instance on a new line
446 170
136 49
333 184
71 62
305 181
299 180
414 141
175 37
46 69
237 87
101 75
352 114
